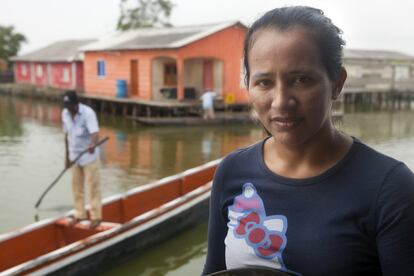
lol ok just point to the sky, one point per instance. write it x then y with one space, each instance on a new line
367 24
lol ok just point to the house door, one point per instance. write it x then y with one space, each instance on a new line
208 75
134 77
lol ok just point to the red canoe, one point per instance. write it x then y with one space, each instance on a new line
133 221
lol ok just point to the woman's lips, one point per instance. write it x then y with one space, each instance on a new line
285 123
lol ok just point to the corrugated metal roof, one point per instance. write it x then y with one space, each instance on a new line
156 41
375 54
66 50
156 38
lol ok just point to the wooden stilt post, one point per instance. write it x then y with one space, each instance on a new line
124 110
113 109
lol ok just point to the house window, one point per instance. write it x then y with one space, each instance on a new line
170 74
39 71
65 75
101 68
402 72
24 70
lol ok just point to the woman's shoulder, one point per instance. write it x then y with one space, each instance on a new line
246 154
373 165
368 157
240 160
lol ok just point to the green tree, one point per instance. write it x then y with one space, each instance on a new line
10 42
144 14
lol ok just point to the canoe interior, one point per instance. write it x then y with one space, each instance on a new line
39 240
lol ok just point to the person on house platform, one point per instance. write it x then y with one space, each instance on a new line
81 129
207 103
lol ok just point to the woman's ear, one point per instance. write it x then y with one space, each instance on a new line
339 83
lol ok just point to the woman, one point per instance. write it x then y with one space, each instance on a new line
309 199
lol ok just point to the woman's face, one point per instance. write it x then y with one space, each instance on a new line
289 87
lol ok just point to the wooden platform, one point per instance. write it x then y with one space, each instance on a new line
221 119
154 113
166 103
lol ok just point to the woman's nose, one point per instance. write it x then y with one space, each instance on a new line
282 98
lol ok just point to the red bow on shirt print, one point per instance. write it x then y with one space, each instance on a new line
265 243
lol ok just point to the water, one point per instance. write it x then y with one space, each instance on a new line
183 255
32 155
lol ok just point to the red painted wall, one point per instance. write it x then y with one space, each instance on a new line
53 77
117 66
208 82
40 75
79 75
58 71
227 46
19 77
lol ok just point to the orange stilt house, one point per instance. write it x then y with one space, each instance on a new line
167 64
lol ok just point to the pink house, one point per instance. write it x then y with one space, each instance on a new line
59 65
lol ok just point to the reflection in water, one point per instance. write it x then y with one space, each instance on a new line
377 126
145 154
207 146
10 121
390 132
32 153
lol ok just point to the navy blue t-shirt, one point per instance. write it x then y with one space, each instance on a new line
357 218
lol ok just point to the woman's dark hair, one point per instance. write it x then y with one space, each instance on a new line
327 35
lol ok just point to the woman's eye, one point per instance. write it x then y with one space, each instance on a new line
302 80
264 83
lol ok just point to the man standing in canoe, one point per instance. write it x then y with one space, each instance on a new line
81 129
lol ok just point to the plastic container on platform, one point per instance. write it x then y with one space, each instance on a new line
121 89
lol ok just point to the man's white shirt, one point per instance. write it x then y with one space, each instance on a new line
79 130
208 99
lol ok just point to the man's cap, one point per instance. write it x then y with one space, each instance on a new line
70 98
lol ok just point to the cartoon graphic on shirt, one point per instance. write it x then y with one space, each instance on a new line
252 237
